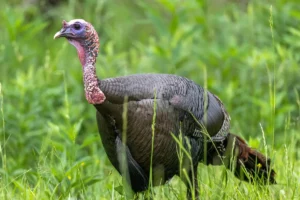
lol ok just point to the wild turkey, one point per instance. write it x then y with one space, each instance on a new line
181 108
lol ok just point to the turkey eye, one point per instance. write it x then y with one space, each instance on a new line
77 26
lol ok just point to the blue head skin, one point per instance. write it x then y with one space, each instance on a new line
74 29
83 36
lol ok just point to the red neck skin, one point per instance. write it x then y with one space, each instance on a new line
87 53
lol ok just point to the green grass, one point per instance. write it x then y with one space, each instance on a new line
248 56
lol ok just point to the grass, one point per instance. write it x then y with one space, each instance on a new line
247 55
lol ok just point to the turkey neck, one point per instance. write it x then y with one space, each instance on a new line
87 53
93 93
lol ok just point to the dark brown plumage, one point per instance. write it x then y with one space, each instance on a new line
182 108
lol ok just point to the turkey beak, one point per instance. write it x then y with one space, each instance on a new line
64 32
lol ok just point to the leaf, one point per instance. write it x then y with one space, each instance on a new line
120 189
87 181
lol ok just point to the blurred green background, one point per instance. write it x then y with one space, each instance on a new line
244 51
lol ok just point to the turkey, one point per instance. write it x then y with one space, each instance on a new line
185 123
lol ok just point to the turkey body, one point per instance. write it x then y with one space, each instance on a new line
180 107
162 122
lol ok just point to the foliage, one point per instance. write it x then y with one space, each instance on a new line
246 54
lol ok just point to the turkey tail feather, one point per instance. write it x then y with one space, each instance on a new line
247 163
